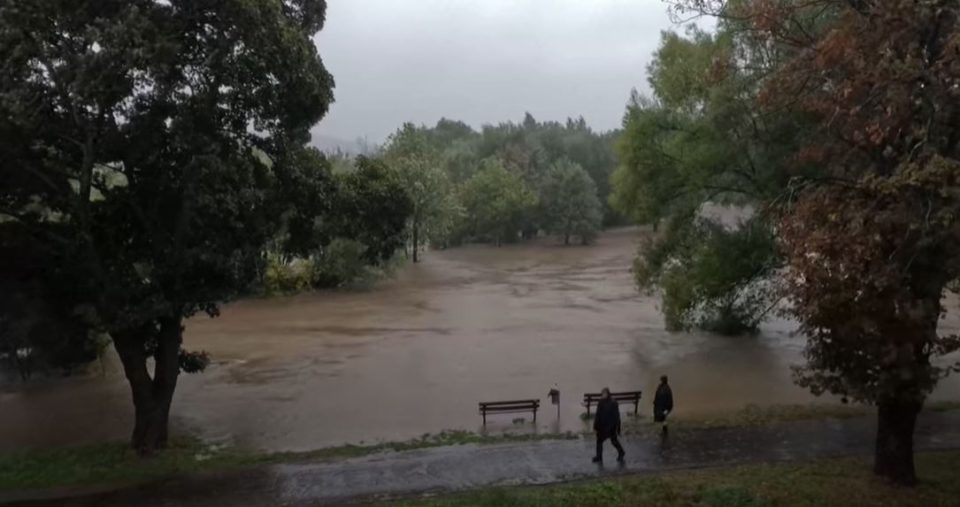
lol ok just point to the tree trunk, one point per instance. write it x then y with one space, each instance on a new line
893 459
151 396
566 239
416 242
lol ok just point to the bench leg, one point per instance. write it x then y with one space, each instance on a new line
636 407
588 408
484 412
534 415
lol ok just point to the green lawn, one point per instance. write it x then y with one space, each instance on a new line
844 482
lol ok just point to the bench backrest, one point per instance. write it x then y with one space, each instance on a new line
624 396
508 405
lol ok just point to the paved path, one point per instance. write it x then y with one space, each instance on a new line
463 467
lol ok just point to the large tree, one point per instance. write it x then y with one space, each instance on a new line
147 152
872 244
698 142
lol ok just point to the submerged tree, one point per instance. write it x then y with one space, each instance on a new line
723 283
495 203
570 204
145 152
698 142
420 171
873 244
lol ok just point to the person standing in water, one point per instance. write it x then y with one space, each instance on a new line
662 403
607 425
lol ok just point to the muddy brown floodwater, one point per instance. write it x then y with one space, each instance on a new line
417 353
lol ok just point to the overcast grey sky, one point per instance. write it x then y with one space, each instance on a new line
483 61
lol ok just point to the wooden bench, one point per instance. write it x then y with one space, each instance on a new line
628 396
509 406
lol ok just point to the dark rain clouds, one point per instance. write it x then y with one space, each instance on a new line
483 61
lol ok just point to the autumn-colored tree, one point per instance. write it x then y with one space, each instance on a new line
872 246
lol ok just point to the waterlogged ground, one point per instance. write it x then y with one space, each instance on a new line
417 353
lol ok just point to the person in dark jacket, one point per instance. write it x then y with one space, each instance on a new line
662 403
607 425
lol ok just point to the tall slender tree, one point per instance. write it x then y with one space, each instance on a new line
420 171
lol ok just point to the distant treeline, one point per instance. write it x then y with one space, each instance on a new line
503 183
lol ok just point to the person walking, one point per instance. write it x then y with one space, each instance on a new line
607 425
662 403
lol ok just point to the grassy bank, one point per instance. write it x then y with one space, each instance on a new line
843 482
108 463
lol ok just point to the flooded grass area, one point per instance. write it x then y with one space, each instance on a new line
416 354
847 482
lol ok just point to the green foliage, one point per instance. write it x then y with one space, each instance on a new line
570 204
284 276
367 204
729 497
341 262
419 169
149 150
712 277
495 203
528 150
372 208
701 141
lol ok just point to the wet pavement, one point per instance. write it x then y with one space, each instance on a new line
456 468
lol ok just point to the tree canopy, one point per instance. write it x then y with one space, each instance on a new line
495 202
149 153
420 172
838 122
698 142
570 204
457 174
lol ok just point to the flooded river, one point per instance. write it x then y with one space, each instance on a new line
417 353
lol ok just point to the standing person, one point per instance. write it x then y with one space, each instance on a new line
607 425
662 403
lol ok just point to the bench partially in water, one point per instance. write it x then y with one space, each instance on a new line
627 396
509 406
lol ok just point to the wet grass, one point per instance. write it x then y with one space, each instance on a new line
844 482
115 463
755 415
